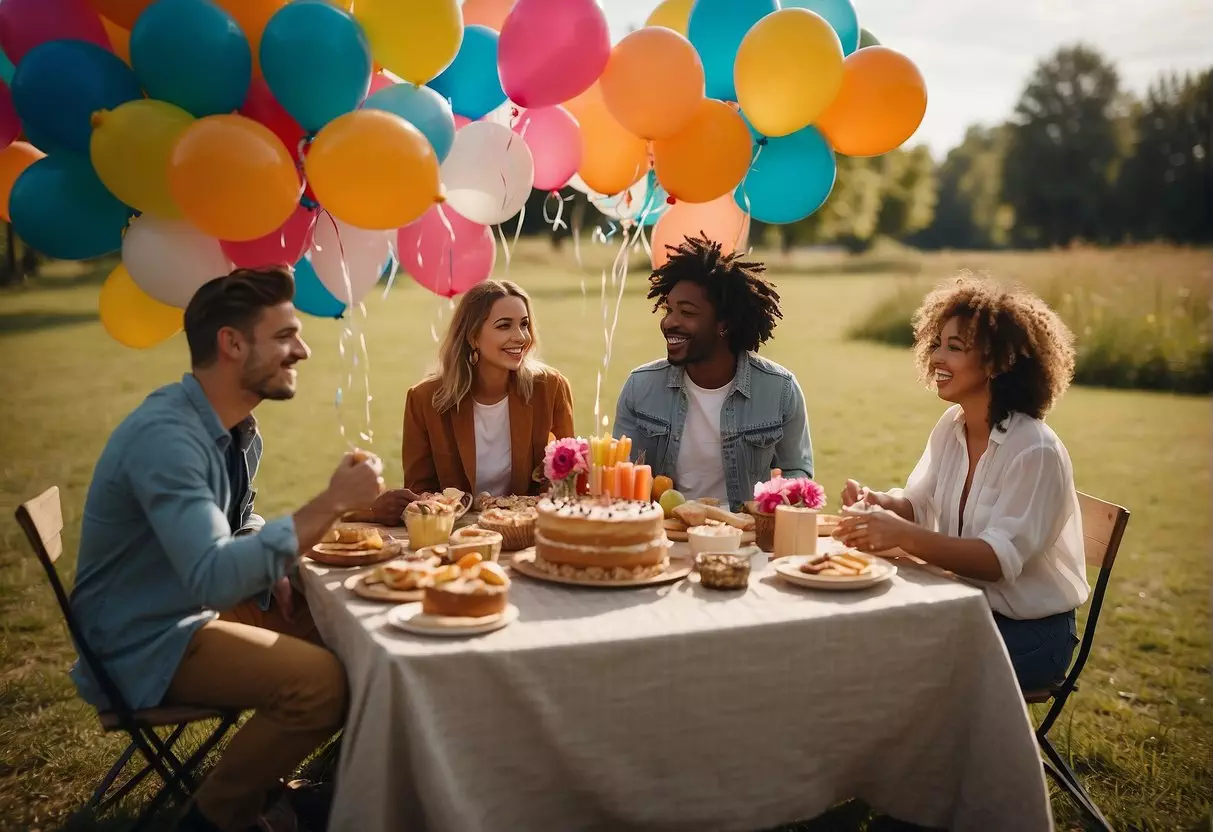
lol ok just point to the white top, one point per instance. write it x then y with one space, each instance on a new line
1022 502
699 471
493 466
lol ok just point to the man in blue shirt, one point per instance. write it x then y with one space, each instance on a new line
169 538
712 415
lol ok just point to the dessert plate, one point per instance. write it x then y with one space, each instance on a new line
344 558
788 569
411 619
361 586
524 563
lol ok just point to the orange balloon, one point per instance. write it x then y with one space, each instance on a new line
14 159
233 178
373 169
708 158
721 221
653 82
882 101
252 16
491 13
120 39
122 13
612 159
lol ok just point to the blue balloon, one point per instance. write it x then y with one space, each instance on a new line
421 107
60 208
471 82
791 177
840 14
193 54
316 61
716 29
311 296
6 68
61 83
656 202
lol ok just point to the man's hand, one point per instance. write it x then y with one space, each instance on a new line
357 482
284 597
388 508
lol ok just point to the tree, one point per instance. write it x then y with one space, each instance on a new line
911 190
970 212
1065 145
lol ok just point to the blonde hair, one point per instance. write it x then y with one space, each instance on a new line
455 371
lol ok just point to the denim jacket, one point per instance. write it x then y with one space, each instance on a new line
763 424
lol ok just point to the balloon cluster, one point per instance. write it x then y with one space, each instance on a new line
198 135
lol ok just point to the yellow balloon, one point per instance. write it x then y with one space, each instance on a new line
415 39
373 169
672 14
130 150
132 317
788 71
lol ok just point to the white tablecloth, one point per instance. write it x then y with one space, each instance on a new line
681 708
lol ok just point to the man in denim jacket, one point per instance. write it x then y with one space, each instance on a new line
713 415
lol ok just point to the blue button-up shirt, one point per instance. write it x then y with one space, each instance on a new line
158 554
763 424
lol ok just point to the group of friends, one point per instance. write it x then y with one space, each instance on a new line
188 596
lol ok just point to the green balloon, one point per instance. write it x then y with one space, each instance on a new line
6 69
866 38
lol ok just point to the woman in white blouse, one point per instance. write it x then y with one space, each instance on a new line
992 499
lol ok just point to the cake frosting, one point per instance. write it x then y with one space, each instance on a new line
616 539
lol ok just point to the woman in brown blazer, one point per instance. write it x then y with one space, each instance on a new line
481 421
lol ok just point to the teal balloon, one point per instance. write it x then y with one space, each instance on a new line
193 54
60 208
311 296
867 39
716 29
471 82
790 178
421 107
58 87
840 14
6 69
656 202
317 62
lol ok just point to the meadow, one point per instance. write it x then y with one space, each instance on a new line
1140 729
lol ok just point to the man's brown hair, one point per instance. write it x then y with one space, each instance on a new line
235 300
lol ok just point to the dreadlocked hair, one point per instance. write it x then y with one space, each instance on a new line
744 300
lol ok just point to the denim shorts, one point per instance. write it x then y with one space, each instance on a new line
1040 648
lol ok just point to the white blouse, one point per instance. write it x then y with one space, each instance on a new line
494 465
1022 502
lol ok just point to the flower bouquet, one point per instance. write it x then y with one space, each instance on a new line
801 492
565 462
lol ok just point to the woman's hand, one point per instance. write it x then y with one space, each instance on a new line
388 508
854 493
878 531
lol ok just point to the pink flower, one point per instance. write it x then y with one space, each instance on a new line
565 458
768 495
788 492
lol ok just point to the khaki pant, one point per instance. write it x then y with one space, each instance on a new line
258 660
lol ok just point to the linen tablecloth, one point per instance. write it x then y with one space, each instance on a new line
683 708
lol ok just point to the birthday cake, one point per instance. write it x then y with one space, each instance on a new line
601 539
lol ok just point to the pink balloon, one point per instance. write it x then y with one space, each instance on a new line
283 247
721 220
460 121
555 141
379 81
10 122
25 24
444 266
552 50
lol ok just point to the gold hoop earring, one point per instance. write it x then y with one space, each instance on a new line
474 357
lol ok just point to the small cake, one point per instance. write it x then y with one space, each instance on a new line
621 539
516 526
471 588
475 539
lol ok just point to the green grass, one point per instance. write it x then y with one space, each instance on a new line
1139 729
1141 316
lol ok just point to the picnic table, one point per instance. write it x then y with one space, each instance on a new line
678 707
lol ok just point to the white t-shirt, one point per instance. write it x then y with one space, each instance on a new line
1022 502
699 471
493 466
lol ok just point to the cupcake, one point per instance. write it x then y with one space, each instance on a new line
516 526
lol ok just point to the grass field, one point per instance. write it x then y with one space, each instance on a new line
1140 730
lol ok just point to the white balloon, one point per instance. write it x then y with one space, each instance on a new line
633 203
578 184
171 259
342 252
489 173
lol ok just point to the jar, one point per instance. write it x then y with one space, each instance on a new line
723 570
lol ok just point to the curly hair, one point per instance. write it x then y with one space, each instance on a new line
744 300
1028 349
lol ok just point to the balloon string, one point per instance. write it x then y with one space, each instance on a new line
518 230
557 222
505 247
393 266
450 230
350 330
745 198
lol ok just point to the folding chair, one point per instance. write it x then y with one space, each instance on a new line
1103 527
42 521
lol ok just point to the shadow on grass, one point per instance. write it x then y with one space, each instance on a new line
16 323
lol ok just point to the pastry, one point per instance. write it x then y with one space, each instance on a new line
467 589
475 539
354 537
516 526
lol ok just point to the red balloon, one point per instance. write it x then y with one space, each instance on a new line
283 247
260 105
25 24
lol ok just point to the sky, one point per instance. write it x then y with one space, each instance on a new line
976 55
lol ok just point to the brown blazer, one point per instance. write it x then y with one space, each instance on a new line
440 449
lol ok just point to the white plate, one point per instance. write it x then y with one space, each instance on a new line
411 619
789 570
